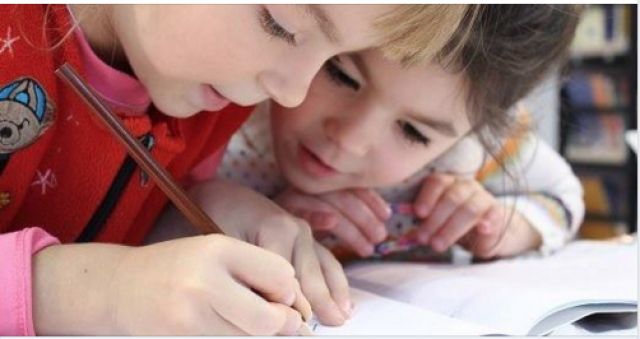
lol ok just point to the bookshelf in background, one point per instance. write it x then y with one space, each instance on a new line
598 104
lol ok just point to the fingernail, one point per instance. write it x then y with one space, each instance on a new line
304 330
387 211
423 238
346 308
350 310
294 326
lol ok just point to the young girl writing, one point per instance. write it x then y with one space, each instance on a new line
416 134
64 178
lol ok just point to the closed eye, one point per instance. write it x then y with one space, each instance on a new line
412 134
338 76
272 27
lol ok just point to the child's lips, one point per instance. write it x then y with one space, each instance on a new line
312 164
212 100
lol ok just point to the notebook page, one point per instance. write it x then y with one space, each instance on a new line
510 295
375 315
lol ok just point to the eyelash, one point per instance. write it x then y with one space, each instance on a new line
338 76
412 134
272 27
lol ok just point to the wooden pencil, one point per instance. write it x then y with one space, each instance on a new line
143 158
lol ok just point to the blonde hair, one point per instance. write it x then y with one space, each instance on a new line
417 34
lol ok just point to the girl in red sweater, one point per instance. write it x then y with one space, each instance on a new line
178 77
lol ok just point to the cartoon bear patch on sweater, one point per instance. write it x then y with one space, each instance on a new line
25 113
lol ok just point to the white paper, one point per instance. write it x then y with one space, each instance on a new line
375 315
510 296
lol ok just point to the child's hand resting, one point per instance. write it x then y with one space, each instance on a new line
355 216
200 285
249 216
449 209
453 209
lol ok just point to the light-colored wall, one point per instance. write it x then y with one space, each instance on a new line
544 105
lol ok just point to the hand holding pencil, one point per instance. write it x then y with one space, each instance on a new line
225 287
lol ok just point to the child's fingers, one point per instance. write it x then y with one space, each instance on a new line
491 221
462 220
432 188
305 206
301 304
283 240
453 197
490 233
486 246
318 220
293 321
321 221
268 273
350 235
335 277
314 284
220 326
484 227
376 203
284 244
249 311
346 233
359 214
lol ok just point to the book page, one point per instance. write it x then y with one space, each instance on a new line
511 296
376 315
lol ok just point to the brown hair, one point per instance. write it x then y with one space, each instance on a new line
504 51
414 34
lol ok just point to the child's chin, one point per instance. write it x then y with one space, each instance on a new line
176 110
319 188
308 186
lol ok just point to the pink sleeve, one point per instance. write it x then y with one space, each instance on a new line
16 250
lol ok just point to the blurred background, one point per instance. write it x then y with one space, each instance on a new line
588 112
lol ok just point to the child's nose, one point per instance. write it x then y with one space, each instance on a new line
353 134
282 91
289 85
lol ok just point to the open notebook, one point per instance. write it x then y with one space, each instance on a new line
524 296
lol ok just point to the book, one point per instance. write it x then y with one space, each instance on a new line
597 138
605 194
529 295
602 229
596 198
597 90
602 31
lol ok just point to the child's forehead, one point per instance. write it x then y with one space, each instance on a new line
346 23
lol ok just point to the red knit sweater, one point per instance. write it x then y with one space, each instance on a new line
60 169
